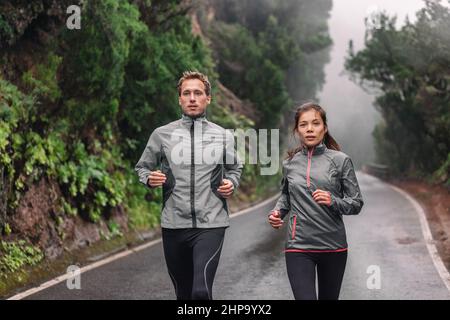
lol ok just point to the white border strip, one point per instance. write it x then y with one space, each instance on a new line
429 241
120 255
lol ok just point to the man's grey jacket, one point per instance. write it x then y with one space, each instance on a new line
195 155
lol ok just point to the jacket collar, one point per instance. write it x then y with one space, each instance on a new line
319 149
187 120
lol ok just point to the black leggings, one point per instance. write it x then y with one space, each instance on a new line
301 268
192 256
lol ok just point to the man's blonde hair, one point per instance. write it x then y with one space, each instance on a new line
187 75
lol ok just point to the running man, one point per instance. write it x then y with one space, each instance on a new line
195 162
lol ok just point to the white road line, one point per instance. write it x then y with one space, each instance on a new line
429 241
117 256
97 264
259 205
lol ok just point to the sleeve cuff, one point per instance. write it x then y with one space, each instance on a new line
283 212
334 203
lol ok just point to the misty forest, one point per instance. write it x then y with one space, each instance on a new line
77 106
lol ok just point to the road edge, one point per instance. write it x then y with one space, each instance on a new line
426 232
120 255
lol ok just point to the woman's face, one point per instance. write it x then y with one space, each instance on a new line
311 128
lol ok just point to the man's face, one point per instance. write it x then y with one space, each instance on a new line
193 99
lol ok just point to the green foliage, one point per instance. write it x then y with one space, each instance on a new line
6 31
119 82
410 66
7 229
142 214
270 93
113 231
225 118
68 209
24 150
263 49
96 61
278 45
442 174
16 255
149 93
28 153
110 27
247 71
17 111
44 83
87 179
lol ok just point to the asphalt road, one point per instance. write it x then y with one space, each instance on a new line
387 234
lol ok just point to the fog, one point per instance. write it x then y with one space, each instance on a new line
351 114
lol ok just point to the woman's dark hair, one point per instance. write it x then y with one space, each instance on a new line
328 139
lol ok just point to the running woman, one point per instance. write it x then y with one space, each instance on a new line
195 162
319 186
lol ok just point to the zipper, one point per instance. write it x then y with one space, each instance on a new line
308 170
194 219
294 225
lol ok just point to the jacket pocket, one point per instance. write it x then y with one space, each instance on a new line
216 179
169 185
294 227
